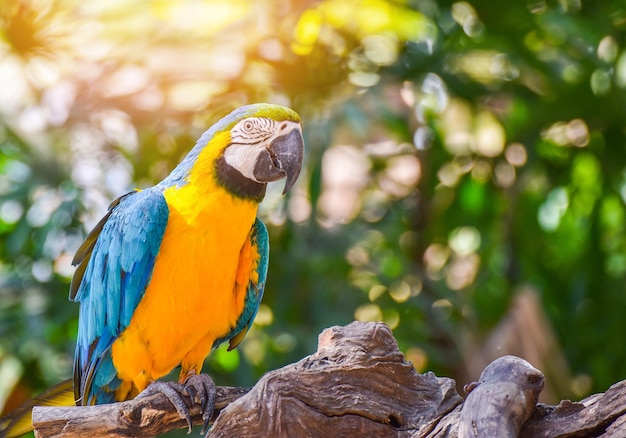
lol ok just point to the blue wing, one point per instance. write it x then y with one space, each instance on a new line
254 294
115 263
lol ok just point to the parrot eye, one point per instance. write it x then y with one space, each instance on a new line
248 126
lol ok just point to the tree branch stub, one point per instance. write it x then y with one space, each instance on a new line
502 400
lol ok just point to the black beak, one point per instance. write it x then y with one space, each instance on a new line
283 158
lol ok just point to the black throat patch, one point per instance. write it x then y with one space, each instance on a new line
237 184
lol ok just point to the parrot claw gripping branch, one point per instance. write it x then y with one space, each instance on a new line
174 270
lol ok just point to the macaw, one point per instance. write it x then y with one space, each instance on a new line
172 271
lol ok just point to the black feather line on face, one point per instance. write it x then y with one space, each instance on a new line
237 184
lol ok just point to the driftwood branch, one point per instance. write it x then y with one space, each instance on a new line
509 385
359 384
145 416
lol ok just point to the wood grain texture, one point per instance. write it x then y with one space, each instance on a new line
146 416
356 384
359 384
502 400
600 415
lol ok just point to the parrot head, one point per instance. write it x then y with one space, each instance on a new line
250 147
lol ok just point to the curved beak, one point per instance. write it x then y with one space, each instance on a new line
282 158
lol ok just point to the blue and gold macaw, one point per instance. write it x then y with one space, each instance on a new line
174 270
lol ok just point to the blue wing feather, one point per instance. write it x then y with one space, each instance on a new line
120 260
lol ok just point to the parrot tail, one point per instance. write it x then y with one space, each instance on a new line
19 421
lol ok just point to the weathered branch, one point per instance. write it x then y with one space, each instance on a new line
146 416
358 384
501 402
599 415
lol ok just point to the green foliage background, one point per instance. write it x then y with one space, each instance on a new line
457 152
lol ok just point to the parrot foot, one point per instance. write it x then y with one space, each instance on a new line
198 387
201 390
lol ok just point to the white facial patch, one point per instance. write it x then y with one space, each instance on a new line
243 157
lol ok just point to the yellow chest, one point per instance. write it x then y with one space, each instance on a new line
190 298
